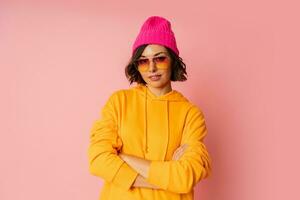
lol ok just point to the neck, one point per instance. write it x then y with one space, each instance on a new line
158 91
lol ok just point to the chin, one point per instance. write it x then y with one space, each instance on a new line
157 84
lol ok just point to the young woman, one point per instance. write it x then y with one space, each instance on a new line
148 142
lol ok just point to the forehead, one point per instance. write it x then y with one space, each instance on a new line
153 49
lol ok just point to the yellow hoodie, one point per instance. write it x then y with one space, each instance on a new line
136 122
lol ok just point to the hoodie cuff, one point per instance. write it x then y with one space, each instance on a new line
158 174
125 176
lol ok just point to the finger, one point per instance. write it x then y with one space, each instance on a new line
179 153
177 150
184 145
175 155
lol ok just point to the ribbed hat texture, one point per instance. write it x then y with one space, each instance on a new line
156 30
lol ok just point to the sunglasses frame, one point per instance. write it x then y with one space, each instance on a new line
151 59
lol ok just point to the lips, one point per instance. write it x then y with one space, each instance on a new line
155 77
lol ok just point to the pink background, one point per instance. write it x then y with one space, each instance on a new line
60 61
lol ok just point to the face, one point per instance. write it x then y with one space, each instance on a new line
154 66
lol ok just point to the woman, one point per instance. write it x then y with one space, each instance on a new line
148 142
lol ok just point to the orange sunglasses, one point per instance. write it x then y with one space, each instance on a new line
161 62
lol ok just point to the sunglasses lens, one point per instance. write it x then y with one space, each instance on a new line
161 62
142 64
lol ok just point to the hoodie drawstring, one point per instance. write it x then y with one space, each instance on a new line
145 146
168 132
145 133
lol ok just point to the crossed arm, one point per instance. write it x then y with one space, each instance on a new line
179 175
142 167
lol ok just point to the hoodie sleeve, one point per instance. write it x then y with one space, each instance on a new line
180 176
103 157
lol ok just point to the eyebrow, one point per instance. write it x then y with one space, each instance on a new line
155 54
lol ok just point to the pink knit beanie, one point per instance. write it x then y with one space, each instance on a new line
156 30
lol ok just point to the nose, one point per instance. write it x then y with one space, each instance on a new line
152 66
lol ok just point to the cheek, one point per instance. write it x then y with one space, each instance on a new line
167 73
144 76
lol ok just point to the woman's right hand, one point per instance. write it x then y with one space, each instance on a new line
141 182
179 152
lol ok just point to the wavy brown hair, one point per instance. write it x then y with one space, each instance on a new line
178 67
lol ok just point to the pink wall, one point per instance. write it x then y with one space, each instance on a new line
60 61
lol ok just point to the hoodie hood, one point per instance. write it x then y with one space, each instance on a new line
173 95
147 95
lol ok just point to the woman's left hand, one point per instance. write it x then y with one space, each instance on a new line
179 152
122 156
139 164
